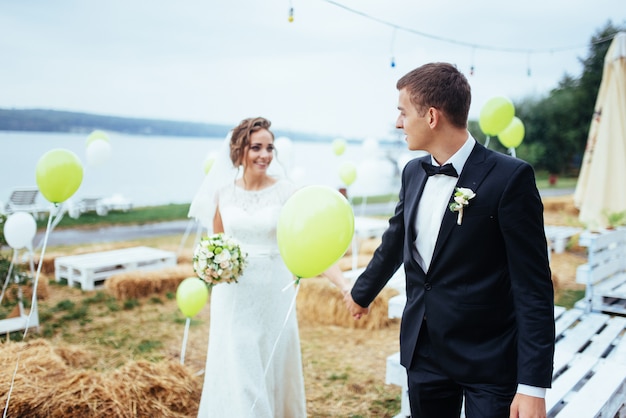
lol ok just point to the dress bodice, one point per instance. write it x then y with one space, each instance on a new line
251 216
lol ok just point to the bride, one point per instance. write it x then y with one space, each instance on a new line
253 365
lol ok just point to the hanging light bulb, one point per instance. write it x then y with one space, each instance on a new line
393 40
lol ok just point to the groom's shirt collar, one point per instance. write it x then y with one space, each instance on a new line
460 157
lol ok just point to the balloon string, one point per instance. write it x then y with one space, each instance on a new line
185 336
57 218
33 308
269 360
33 305
487 142
6 282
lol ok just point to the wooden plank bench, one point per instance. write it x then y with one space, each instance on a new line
25 200
604 274
589 378
91 270
558 236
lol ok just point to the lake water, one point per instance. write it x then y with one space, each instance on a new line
152 170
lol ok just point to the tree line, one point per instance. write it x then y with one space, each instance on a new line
46 120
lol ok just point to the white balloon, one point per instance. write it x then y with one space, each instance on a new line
20 229
98 152
370 146
297 175
374 177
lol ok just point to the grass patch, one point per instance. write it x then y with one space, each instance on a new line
135 216
340 376
568 297
130 304
65 305
562 182
147 346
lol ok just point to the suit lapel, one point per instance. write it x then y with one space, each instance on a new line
417 183
474 172
415 186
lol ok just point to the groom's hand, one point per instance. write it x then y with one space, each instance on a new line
525 406
356 310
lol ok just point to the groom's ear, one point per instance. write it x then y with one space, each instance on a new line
433 116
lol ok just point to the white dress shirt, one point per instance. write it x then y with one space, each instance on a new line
434 204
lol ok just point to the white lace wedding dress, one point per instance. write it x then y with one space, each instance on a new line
249 322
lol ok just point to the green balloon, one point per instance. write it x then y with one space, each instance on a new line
97 134
496 115
59 174
191 295
208 164
339 146
347 173
315 228
513 135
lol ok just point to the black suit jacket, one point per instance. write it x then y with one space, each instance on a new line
488 294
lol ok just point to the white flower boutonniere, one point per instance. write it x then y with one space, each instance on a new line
462 196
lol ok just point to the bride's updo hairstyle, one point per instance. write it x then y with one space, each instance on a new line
240 138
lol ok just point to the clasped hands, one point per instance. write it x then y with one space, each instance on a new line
356 310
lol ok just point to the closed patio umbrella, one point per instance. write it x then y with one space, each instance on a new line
601 188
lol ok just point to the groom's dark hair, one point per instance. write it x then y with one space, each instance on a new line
442 86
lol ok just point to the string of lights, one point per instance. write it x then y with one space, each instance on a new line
474 46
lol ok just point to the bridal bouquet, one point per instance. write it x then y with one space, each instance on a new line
218 259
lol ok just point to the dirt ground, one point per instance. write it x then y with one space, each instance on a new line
344 366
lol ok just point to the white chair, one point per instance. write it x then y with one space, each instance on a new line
24 199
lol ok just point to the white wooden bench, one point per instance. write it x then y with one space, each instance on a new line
589 377
25 200
558 236
90 270
604 274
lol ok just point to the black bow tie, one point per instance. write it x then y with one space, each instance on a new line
447 169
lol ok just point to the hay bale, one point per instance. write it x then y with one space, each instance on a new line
12 294
321 303
345 263
561 204
47 264
43 290
46 385
185 257
142 283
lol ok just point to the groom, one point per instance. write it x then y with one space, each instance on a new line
478 322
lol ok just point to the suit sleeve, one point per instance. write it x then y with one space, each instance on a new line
521 223
386 259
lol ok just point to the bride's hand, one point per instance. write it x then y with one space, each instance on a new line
356 310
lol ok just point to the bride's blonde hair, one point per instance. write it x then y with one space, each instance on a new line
240 137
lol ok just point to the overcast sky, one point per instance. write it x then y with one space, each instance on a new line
327 72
